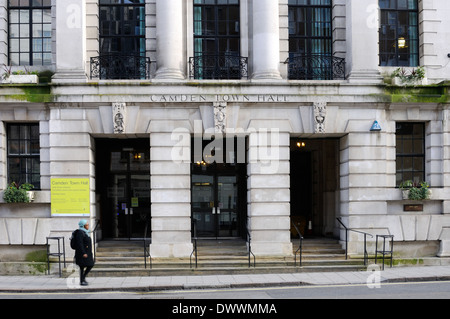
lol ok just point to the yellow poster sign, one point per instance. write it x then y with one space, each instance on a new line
70 197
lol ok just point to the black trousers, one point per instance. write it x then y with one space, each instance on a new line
84 271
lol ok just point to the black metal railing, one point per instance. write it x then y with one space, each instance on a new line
347 230
58 254
385 251
249 249
147 242
300 247
94 233
120 67
316 67
194 242
218 67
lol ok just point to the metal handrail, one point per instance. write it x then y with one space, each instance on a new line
347 230
147 253
218 67
300 247
194 250
94 232
250 253
58 254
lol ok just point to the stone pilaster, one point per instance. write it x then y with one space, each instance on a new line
268 188
170 189
3 152
362 25
3 33
70 55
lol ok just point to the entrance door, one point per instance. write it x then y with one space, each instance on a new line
124 185
215 205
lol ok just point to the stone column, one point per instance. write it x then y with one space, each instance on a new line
70 41
169 39
3 33
362 24
170 188
266 39
269 188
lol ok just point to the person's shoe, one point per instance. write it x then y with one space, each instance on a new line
84 283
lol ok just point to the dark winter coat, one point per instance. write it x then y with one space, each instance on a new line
83 246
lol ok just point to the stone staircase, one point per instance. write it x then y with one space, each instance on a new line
126 258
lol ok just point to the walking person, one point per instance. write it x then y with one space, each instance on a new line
83 251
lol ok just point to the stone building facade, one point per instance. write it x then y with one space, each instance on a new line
278 128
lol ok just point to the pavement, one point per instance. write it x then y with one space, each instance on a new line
374 276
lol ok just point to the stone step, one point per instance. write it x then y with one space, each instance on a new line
219 256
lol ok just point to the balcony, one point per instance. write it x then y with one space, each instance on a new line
218 67
120 67
316 67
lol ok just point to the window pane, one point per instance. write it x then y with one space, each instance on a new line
32 20
410 150
399 33
23 154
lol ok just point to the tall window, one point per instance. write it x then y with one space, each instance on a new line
216 27
311 42
410 151
24 154
399 33
30 32
122 41
310 27
217 39
122 27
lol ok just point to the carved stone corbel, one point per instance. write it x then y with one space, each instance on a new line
320 114
119 117
220 117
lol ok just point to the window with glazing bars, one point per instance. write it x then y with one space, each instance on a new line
30 32
122 41
410 150
122 27
310 27
310 39
399 33
216 39
24 154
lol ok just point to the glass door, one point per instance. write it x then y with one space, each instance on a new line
214 205
123 187
203 205
226 206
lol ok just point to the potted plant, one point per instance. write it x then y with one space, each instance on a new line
19 76
19 194
414 77
415 191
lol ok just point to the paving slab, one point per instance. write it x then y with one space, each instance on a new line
55 284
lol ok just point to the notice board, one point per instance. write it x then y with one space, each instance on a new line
70 197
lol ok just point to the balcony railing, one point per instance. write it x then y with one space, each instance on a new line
218 67
316 67
120 67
